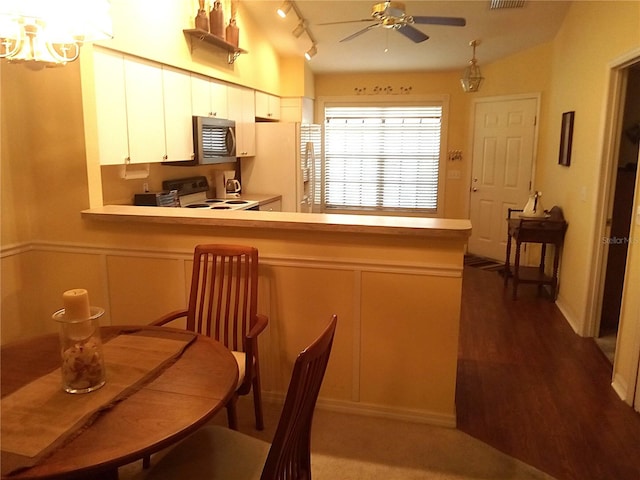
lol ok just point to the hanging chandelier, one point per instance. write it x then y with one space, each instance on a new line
49 33
472 77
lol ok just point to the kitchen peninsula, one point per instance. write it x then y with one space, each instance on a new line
394 282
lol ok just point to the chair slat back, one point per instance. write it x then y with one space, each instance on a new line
289 457
223 297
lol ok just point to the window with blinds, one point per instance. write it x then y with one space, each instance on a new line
383 158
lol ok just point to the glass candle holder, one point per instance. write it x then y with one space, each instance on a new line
82 367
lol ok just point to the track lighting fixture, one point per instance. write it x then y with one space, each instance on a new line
299 30
284 8
311 52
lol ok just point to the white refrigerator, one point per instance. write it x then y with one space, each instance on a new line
288 155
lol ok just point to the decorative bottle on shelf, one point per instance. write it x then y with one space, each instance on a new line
233 33
216 20
202 22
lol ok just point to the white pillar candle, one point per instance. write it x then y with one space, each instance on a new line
76 304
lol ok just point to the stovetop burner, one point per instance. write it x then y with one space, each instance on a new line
192 193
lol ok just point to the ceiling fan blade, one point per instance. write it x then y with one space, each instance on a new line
359 32
449 21
413 33
348 21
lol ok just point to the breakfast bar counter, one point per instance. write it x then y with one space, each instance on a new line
383 225
394 282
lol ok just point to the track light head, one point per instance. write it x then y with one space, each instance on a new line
299 30
284 8
311 52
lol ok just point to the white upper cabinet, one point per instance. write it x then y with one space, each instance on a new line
296 109
111 108
177 114
209 97
130 111
242 110
145 111
267 106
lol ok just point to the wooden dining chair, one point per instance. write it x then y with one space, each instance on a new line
214 452
222 304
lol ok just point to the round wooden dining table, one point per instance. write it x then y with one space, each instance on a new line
167 408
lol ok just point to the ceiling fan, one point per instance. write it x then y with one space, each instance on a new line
391 15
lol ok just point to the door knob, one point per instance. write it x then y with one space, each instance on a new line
474 189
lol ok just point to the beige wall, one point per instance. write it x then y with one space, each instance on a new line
510 76
456 192
43 168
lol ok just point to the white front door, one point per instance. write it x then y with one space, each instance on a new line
503 148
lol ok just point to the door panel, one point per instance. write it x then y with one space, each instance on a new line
503 145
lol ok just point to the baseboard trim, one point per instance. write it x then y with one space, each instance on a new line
376 411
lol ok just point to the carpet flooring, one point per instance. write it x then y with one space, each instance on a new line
354 447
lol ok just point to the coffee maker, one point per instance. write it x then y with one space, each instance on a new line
227 186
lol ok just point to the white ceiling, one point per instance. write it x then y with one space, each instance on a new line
500 32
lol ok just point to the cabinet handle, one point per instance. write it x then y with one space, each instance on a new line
164 157
213 114
127 160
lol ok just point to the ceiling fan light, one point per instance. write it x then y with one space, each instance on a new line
311 52
284 9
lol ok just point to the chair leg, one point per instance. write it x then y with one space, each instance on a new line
232 414
257 403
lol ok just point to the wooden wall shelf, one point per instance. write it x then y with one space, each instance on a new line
202 36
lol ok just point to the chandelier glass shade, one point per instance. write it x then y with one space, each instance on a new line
50 33
472 77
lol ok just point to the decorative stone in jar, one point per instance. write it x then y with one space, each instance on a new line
82 367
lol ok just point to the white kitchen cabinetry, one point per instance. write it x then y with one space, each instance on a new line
296 109
275 206
267 106
209 98
242 111
145 111
177 114
111 108
130 111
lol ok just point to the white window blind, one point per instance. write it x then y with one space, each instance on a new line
382 158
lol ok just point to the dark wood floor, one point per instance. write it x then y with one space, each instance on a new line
532 388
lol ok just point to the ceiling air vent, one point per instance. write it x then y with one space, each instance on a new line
500 4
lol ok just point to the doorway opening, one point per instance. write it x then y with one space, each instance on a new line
620 211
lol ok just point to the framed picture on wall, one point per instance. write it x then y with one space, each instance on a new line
566 138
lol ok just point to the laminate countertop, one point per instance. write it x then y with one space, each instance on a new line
319 222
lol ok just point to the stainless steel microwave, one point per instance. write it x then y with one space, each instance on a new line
214 141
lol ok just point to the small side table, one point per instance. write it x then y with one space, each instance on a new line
546 230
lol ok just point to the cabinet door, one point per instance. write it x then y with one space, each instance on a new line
208 98
145 111
177 114
200 96
275 206
218 92
242 110
267 106
111 109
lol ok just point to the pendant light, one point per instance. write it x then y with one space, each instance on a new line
472 77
